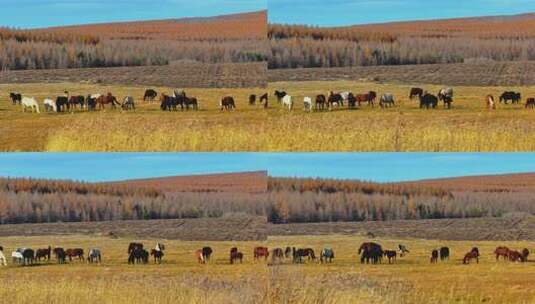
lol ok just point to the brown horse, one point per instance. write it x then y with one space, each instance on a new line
473 254
227 103
321 100
369 98
261 252
391 255
103 100
264 99
530 103
235 255
434 256
75 253
502 252
158 255
416 92
515 256
525 254
43 253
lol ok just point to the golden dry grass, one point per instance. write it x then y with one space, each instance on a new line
469 127
181 280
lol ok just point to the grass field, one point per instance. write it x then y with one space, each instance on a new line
468 127
181 279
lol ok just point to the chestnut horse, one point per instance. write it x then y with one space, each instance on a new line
502 252
75 253
473 254
434 256
103 100
43 253
259 252
235 255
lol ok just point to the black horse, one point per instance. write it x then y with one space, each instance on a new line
150 95
62 102
28 256
416 92
444 253
280 95
138 255
428 101
370 253
60 255
514 97
15 98
168 103
227 103
207 253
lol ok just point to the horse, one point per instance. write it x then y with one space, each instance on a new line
434 256
133 246
334 99
444 253
227 103
15 98
387 100
280 95
259 252
50 105
299 254
502 251
128 104
327 255
252 99
138 255
75 101
507 96
416 92
321 100
158 255
446 95
235 255
30 102
75 253
369 97
307 102
371 252
94 256
207 253
16 256
190 101
150 95
28 256
428 101
491 103
102 101
60 255
287 101
473 254
288 252
403 250
43 253
351 101
530 103
62 102
3 260
91 103
168 103
264 100
277 255
515 256
525 254
391 255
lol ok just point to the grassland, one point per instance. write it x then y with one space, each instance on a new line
181 280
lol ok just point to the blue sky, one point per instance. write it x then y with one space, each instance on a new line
348 12
380 167
44 13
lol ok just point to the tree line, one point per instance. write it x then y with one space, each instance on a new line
310 47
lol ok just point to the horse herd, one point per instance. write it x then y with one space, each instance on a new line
369 252
320 102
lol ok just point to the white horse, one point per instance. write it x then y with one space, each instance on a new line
50 105
31 103
17 256
345 96
307 101
2 257
287 101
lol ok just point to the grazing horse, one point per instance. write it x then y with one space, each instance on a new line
60 255
158 255
403 250
150 95
75 253
31 103
264 99
252 99
62 102
321 100
369 97
207 253
15 98
530 103
416 92
288 252
515 256
434 256
428 101
91 102
260 252
190 102
75 101
227 103
327 255
514 97
351 101
299 254
525 254
277 255
28 256
307 102
43 253
371 252
502 251
334 99
128 104
446 95
138 255
235 255
473 254
103 100
2 257
287 101
50 105
491 103
16 256
94 256
387 100
280 95
200 256
391 255
444 253
168 103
